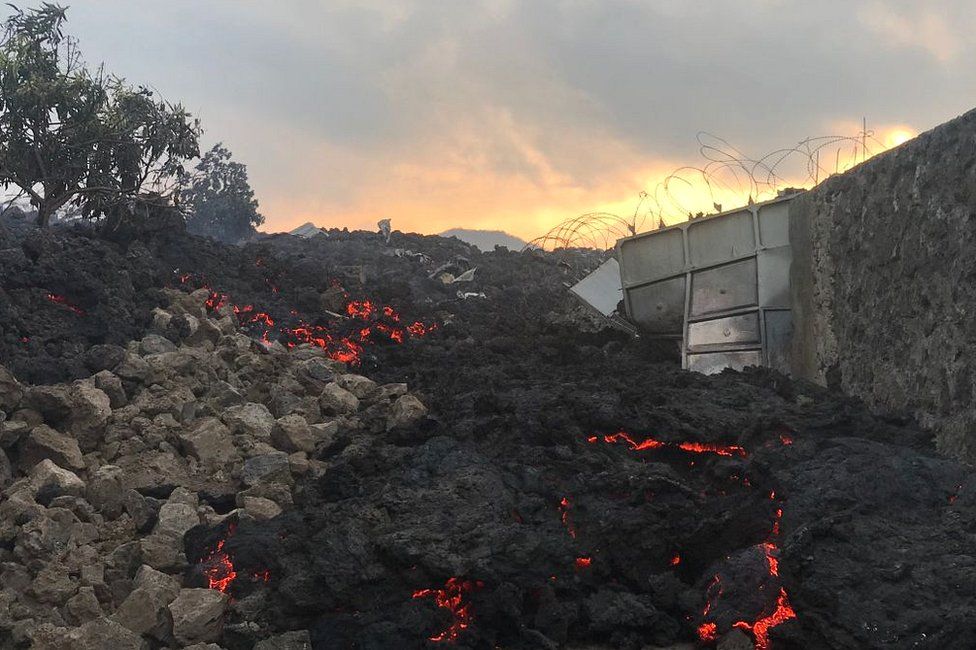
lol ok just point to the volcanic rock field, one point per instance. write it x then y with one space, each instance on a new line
348 442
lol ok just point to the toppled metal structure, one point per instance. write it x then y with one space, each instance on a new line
308 230
719 285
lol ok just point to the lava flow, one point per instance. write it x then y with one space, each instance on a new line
366 323
622 437
451 598
218 567
759 628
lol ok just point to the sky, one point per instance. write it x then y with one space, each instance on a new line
516 115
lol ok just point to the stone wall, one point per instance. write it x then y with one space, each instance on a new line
883 283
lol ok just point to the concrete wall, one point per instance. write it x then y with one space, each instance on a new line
884 282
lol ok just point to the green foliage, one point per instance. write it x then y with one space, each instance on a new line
72 136
219 201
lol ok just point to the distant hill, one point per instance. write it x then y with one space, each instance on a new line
486 240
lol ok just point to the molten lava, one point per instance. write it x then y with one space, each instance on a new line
372 324
759 628
564 506
622 437
218 567
452 598
64 302
583 562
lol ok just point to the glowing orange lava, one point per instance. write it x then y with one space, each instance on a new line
622 437
451 598
583 562
564 506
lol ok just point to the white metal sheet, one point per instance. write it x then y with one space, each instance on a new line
724 287
713 241
651 257
601 288
740 329
713 362
659 308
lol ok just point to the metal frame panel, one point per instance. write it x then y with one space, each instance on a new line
714 253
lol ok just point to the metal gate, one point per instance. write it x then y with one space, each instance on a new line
719 284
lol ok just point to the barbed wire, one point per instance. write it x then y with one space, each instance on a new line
727 174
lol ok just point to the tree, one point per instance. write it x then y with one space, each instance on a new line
219 201
72 136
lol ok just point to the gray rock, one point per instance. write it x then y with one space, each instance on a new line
250 419
297 640
52 481
44 442
54 403
336 400
53 585
111 385
318 369
210 442
406 411
12 431
101 634
134 369
155 344
175 519
292 433
90 410
358 385
198 615
260 508
136 505
105 491
83 606
104 357
267 468
146 611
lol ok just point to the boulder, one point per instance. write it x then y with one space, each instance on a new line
104 356
292 433
109 383
210 442
51 481
155 344
103 633
260 508
250 419
54 403
358 385
407 410
83 606
267 468
198 615
105 491
44 442
90 410
336 400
